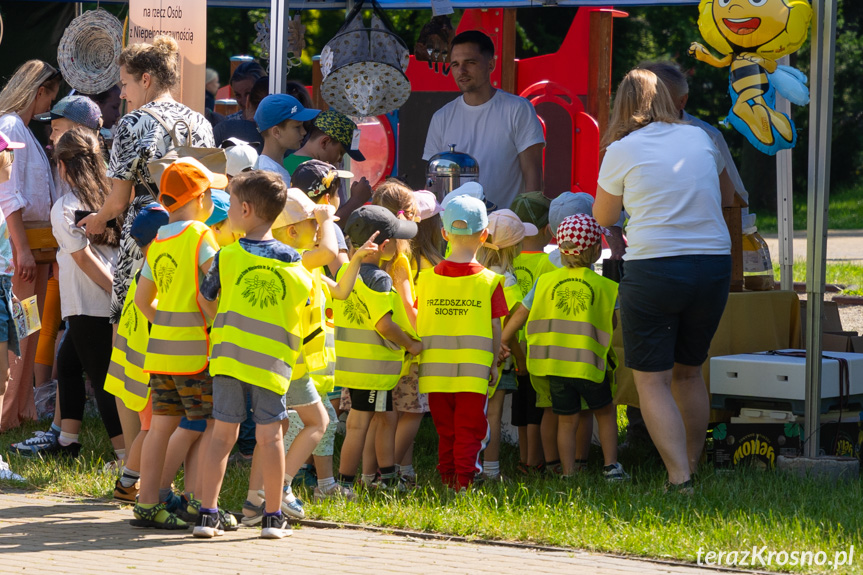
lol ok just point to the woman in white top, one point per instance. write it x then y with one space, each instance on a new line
26 197
677 266
86 277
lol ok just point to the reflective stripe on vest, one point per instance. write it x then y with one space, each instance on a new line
364 358
570 324
250 358
179 342
457 347
180 318
256 334
126 378
569 327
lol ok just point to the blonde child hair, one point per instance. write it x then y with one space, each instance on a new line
6 157
399 199
501 259
585 259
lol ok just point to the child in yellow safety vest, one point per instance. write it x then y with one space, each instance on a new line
570 319
531 208
320 183
409 405
372 334
126 376
500 250
259 328
255 291
309 229
178 347
459 309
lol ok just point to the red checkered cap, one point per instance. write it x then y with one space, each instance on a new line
581 230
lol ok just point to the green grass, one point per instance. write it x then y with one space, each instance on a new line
845 212
730 511
848 276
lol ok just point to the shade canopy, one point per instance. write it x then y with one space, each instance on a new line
426 4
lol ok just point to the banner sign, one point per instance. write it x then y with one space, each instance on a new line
186 22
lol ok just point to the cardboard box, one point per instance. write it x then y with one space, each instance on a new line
754 445
833 337
842 341
830 320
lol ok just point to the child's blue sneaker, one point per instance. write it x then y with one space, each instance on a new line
306 477
291 504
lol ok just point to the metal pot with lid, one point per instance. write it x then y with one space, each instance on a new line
449 170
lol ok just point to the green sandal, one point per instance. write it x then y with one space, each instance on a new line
157 517
229 522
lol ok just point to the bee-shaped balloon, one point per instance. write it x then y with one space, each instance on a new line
752 35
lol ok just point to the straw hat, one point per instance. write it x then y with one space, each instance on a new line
88 52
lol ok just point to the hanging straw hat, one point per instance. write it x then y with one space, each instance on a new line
88 52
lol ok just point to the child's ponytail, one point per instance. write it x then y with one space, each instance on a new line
84 164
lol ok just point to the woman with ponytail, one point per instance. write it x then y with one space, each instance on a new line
26 197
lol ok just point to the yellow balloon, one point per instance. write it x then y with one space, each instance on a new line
770 28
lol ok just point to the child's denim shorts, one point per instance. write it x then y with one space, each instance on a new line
8 333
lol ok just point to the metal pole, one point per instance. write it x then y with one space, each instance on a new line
278 46
820 133
785 202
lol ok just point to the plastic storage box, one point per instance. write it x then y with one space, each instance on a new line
781 379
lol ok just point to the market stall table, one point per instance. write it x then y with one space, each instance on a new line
753 321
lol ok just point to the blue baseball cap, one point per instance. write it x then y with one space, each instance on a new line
221 203
80 109
151 217
467 209
568 204
276 108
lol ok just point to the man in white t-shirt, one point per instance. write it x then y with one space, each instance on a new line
500 130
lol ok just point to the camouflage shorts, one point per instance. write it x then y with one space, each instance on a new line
178 395
406 395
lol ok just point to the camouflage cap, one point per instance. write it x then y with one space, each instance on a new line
532 208
340 128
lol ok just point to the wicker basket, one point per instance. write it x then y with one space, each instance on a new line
88 52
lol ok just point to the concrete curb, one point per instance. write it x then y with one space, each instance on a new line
513 544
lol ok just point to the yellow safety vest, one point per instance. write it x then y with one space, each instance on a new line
325 377
528 266
258 330
319 345
126 377
454 323
179 343
365 359
570 325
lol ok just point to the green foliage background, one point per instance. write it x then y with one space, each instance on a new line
649 33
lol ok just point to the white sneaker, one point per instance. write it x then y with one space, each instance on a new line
336 491
6 473
291 505
275 527
207 526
